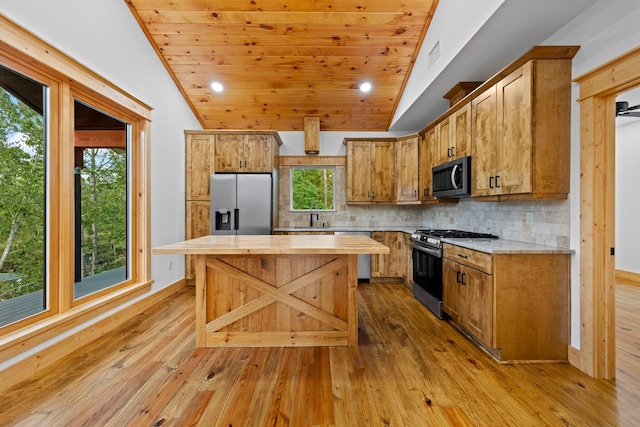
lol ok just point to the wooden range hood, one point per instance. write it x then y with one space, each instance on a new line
312 135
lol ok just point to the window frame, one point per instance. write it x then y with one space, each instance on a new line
68 80
292 168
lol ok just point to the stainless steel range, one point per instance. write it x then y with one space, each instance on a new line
427 264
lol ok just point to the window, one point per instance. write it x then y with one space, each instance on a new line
312 188
74 209
22 198
101 200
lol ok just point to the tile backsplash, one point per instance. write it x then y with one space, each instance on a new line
548 225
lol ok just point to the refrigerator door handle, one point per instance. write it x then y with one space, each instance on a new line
236 214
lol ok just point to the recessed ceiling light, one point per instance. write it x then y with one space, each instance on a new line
216 86
365 87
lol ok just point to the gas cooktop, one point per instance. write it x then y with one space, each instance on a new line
433 237
454 234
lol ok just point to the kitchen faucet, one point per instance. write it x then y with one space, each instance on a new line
311 206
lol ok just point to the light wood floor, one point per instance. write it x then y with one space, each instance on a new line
409 369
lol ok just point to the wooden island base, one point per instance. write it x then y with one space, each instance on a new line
268 291
276 300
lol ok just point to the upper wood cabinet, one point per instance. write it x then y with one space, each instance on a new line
371 171
216 151
244 153
427 158
461 133
407 169
516 127
199 164
520 133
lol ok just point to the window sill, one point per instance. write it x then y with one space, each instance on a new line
21 340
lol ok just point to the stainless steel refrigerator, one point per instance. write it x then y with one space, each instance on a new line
241 203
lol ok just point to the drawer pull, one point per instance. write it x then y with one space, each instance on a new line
463 256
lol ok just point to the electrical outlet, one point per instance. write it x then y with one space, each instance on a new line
169 265
529 218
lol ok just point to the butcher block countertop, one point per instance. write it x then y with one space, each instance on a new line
274 245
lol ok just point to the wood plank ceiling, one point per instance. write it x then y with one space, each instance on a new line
282 60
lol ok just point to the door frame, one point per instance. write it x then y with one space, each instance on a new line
598 89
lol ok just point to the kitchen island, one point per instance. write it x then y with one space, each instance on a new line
265 291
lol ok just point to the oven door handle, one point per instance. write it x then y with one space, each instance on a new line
434 252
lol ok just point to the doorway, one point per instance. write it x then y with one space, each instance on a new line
598 91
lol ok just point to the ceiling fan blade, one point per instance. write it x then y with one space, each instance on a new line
628 114
623 109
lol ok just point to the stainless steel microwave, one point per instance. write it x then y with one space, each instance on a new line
452 179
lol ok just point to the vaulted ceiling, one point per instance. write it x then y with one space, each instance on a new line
282 60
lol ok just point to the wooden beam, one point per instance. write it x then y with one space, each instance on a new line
100 138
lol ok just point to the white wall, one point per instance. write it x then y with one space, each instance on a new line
104 36
330 142
628 193
604 31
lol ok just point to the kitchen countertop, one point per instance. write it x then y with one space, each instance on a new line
490 246
504 246
270 245
404 229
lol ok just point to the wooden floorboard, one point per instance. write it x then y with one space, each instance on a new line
409 369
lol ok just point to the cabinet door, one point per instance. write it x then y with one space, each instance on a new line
461 132
514 170
451 295
392 264
477 304
394 267
484 134
445 141
199 156
428 144
229 153
407 167
198 225
408 260
359 162
258 153
383 173
378 261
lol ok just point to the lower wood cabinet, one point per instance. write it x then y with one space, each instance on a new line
198 225
391 267
516 306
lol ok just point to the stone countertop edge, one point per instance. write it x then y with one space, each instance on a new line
504 246
404 229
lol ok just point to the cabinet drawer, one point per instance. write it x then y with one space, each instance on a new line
469 257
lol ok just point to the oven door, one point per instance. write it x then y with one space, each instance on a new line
427 277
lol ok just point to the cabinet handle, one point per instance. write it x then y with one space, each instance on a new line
425 192
373 194
462 281
463 256
457 277
245 164
497 182
415 193
448 152
453 151
240 166
490 182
